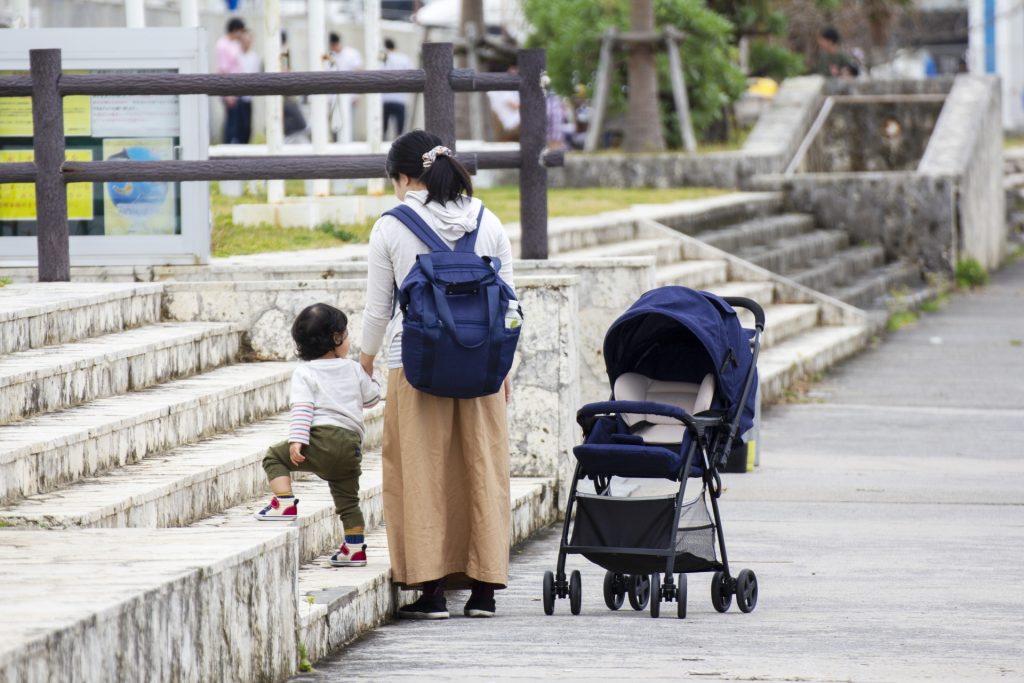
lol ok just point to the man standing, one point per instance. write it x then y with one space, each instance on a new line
394 102
229 61
831 58
251 64
341 58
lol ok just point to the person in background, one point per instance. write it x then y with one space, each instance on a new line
229 61
341 58
394 102
251 64
831 58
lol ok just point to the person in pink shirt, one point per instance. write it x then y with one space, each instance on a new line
229 61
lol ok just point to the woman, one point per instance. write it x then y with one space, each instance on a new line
446 461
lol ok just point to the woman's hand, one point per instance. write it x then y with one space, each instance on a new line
366 360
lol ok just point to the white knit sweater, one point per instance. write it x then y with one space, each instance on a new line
393 251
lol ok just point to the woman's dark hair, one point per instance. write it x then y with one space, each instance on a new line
315 328
446 179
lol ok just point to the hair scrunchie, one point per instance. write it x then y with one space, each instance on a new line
430 157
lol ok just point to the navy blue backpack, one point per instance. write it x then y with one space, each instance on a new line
461 320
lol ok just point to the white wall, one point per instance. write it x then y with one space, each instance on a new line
1009 54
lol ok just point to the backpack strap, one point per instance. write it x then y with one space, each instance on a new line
467 242
412 220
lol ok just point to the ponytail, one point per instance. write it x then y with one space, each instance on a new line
421 155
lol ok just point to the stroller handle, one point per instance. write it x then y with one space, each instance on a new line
648 407
750 305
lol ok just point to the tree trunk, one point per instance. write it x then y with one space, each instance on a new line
643 125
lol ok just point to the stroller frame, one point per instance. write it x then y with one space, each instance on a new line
643 588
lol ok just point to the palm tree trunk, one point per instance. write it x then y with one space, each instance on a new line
643 125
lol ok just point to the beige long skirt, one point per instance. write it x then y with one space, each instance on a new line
446 486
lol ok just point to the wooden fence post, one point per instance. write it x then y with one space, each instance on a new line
533 174
48 143
438 96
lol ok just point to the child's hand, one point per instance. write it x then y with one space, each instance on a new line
295 453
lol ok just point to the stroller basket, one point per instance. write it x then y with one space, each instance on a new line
643 523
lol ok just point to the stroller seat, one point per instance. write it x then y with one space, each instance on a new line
650 446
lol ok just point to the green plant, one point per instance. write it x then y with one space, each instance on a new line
901 319
935 305
970 274
571 31
305 666
4 281
1016 342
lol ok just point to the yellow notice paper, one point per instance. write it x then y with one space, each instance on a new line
18 200
16 116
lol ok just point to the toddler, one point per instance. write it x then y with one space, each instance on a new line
325 435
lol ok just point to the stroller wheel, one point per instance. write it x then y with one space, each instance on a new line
681 597
549 593
638 590
614 590
575 592
655 595
746 591
721 598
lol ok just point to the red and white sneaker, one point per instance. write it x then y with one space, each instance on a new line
277 512
346 558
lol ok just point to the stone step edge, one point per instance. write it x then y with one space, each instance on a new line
39 465
833 311
334 614
47 388
782 365
129 511
73 301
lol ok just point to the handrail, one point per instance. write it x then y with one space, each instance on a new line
438 80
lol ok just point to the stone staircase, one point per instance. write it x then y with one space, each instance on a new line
729 245
128 442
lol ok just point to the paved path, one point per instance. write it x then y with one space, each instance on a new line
886 527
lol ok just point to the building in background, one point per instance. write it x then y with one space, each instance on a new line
997 47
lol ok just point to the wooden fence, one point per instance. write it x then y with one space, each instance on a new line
438 80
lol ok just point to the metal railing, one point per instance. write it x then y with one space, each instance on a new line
438 80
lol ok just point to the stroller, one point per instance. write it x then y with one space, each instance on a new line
683 373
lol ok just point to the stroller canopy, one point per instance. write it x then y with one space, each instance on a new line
679 334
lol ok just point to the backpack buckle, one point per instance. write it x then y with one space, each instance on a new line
458 288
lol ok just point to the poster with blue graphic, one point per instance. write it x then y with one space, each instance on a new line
139 207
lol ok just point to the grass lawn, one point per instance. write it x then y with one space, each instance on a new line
233 240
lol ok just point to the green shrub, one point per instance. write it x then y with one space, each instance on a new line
4 281
901 319
970 274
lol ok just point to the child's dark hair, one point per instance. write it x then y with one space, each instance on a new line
315 330
446 179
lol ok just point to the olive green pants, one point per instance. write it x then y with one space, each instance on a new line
333 454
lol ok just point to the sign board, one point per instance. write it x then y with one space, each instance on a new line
137 223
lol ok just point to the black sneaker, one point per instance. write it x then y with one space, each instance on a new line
479 607
427 607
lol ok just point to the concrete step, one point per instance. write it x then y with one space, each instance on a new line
762 230
842 268
761 292
174 488
35 315
56 377
783 321
792 253
318 525
148 604
695 216
336 605
48 451
806 355
878 287
665 251
693 274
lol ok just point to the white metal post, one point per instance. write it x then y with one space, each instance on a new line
374 104
317 30
275 103
135 13
190 13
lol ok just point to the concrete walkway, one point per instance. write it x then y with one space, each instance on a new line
886 526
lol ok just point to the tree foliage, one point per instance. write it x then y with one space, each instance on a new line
571 30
